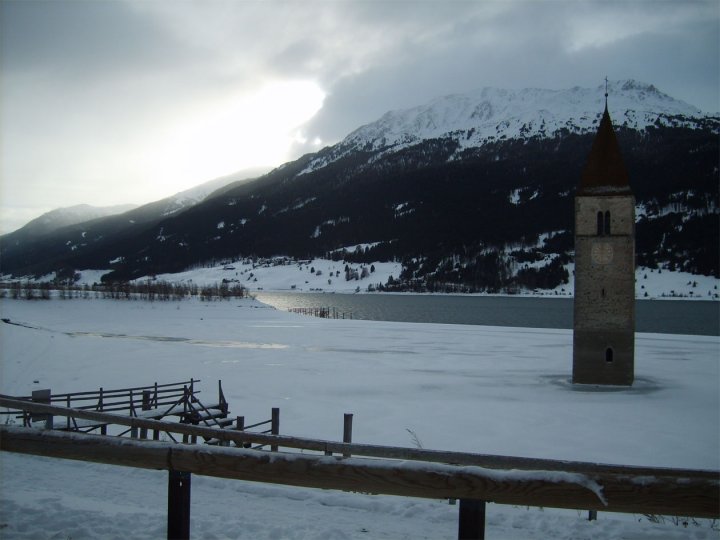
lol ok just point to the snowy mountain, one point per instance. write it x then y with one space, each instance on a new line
466 193
47 241
494 114
62 217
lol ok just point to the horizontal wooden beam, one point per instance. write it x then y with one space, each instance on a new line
357 449
94 393
607 492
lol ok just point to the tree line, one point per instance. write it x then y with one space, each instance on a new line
150 290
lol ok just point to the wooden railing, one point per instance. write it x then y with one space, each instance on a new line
472 478
155 401
159 401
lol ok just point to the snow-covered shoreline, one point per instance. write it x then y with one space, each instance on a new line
457 387
328 276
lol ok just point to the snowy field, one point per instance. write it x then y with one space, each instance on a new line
454 387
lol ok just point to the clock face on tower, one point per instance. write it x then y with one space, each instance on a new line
601 253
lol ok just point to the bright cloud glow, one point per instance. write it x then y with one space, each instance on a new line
240 131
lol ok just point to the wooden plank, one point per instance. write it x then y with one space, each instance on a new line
606 492
263 423
94 393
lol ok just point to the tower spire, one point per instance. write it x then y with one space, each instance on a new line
604 171
606 91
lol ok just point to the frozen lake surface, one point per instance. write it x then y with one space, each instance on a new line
664 317
494 390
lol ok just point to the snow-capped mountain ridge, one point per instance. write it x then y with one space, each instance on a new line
490 114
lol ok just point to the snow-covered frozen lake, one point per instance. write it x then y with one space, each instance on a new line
480 389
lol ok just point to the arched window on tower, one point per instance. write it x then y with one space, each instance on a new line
609 354
600 223
607 222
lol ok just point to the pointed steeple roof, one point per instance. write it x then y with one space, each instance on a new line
604 172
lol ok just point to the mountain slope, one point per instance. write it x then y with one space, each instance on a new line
41 247
62 217
465 199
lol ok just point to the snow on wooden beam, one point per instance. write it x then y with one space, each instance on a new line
661 494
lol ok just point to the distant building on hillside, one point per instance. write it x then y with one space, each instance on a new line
604 306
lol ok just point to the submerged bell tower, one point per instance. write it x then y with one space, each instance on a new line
604 305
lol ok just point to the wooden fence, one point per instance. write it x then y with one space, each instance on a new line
472 478
155 401
322 312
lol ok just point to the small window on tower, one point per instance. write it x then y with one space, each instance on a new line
600 223
609 355
607 222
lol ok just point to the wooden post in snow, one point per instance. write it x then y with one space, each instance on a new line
471 525
103 428
275 426
347 431
146 397
240 426
178 517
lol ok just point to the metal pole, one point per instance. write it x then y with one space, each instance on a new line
178 516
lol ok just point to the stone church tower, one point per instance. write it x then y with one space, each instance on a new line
604 306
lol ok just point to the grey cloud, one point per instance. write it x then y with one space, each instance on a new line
529 45
302 58
81 39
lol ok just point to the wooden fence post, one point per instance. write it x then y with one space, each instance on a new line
472 520
103 428
178 516
221 398
146 398
240 426
275 426
186 438
347 431
132 413
68 406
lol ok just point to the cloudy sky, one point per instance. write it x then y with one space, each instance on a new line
108 102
